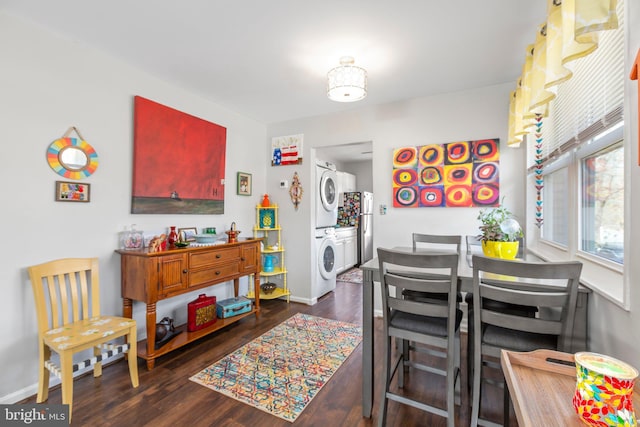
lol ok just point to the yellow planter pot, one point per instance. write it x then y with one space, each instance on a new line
504 250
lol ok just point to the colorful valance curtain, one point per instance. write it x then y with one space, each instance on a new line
571 32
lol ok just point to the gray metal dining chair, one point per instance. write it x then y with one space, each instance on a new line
549 285
423 321
436 241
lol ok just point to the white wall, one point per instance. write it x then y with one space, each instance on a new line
48 84
474 114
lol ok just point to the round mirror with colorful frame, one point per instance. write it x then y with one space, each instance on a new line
72 158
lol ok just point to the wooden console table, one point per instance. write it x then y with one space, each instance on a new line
541 384
151 277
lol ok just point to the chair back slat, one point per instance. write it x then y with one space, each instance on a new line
65 291
435 240
521 323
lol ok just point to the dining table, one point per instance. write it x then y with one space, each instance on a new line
371 274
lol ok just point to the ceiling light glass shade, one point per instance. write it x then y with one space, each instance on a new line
347 83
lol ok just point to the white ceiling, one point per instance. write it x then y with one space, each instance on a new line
268 60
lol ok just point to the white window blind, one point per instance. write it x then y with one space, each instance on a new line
590 101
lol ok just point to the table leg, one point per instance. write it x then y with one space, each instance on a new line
151 334
367 343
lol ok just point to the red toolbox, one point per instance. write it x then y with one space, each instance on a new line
202 312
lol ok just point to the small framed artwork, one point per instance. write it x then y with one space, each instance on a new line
188 234
72 191
244 184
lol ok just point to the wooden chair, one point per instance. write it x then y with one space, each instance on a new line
552 286
428 322
67 302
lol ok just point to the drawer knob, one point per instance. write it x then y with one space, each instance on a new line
217 273
185 271
243 259
218 255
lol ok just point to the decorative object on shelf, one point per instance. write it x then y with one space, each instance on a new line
188 234
201 312
158 243
455 174
269 264
173 151
295 191
286 150
233 306
173 237
265 201
72 158
233 233
181 244
131 239
499 233
267 218
165 331
209 230
206 238
268 288
244 184
346 82
72 191
604 390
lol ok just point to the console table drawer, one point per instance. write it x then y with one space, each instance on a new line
210 275
217 256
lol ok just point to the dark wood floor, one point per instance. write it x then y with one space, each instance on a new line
166 397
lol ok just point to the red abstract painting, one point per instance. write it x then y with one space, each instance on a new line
178 162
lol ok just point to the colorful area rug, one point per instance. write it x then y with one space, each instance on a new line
352 276
282 370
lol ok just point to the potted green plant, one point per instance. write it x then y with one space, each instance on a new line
499 232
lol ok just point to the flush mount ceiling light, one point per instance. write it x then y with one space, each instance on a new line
347 83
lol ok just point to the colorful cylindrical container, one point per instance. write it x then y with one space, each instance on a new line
604 390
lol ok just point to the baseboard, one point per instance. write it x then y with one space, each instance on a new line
32 390
307 301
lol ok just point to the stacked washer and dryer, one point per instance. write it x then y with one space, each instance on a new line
326 218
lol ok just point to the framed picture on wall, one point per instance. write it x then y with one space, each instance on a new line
244 184
72 191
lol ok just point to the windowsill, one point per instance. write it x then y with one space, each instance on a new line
603 278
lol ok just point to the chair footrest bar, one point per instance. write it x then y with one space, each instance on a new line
114 350
416 404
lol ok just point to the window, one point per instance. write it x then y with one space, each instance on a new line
602 197
556 205
583 164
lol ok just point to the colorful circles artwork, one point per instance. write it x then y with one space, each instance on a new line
455 174
430 175
458 174
432 196
486 194
458 152
405 197
486 150
485 172
403 177
458 196
405 157
431 155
